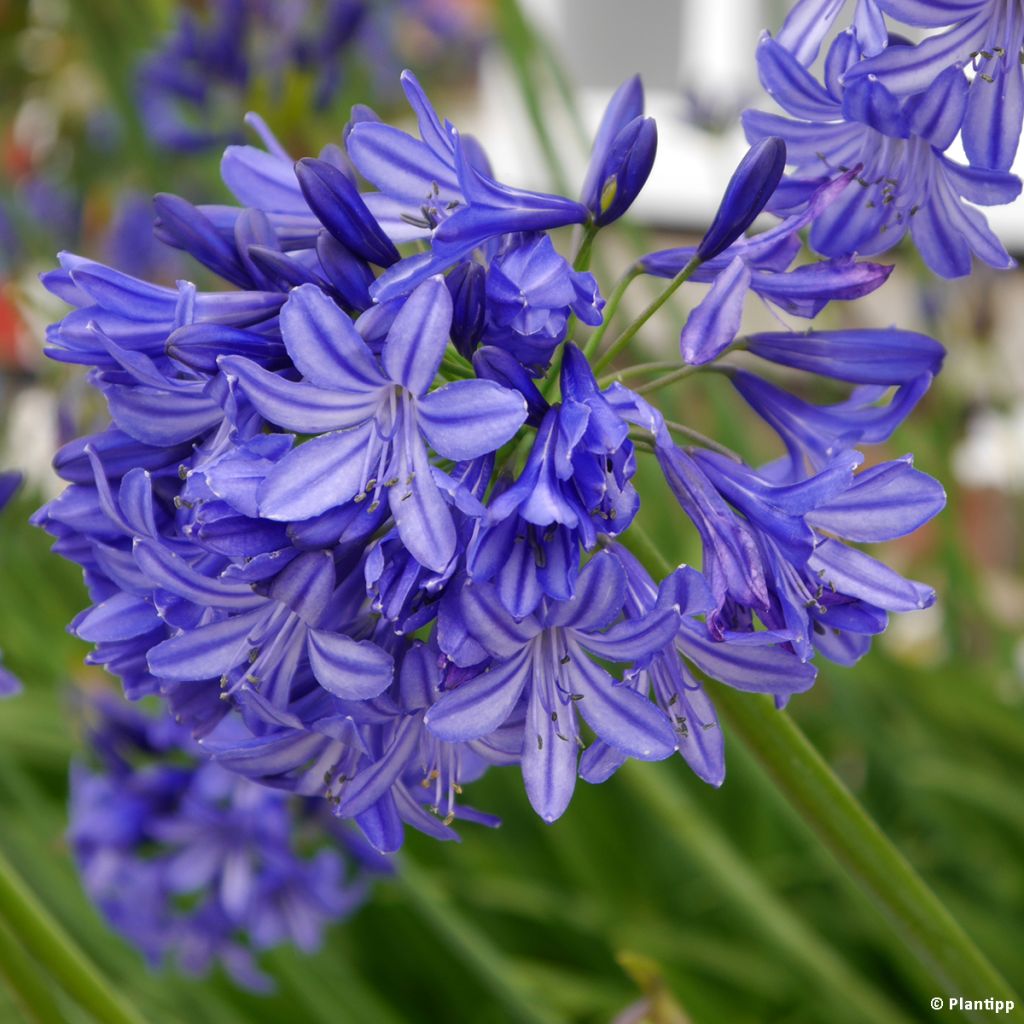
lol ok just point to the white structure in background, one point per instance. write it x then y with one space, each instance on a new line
697 49
31 440
992 453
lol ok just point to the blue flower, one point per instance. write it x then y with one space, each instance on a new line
671 677
194 864
411 766
374 421
531 292
575 486
439 187
546 658
760 265
987 34
905 181
352 529
258 646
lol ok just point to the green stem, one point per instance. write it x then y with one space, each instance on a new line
452 369
42 937
610 309
586 249
633 329
637 370
702 439
670 378
472 947
832 813
26 983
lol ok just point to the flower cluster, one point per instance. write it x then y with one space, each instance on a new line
365 519
892 110
197 865
192 87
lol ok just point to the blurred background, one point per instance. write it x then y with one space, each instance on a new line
655 899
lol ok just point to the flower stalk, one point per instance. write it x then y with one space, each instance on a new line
42 937
633 329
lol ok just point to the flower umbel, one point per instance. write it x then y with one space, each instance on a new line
368 523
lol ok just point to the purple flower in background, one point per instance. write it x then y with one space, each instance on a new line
195 865
194 87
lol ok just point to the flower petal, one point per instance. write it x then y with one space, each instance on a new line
319 475
325 345
617 713
304 408
422 516
549 758
350 669
418 335
481 705
206 652
600 596
470 418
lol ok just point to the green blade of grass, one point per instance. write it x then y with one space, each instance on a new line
40 934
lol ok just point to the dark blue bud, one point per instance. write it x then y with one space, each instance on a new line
340 208
280 270
746 195
348 275
499 365
253 228
625 106
467 284
199 346
626 169
180 225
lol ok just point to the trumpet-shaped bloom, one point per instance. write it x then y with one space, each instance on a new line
547 658
374 421
906 182
987 34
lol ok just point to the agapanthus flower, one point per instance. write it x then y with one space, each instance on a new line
196 865
365 521
905 180
985 35
547 659
375 421
194 85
